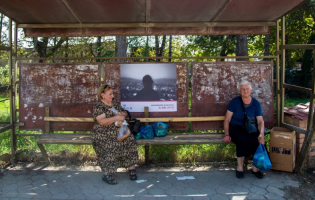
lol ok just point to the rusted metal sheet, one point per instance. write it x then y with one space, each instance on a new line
89 32
82 32
69 90
81 12
96 11
214 84
142 11
248 10
260 30
37 11
112 77
184 10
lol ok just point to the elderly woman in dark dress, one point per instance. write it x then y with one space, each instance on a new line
246 144
112 154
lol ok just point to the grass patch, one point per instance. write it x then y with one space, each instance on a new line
289 102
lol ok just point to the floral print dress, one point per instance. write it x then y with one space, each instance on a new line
110 153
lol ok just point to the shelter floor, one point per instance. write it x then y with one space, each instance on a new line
34 181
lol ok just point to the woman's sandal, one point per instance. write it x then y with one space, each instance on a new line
109 179
133 175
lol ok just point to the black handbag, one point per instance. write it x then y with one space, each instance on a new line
135 128
250 123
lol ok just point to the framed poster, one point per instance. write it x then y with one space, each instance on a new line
148 85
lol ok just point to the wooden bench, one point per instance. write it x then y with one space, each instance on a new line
170 139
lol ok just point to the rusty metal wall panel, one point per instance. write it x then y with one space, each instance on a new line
89 32
68 89
112 77
82 32
257 30
214 85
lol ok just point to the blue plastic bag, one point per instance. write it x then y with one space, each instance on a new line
160 129
261 159
138 136
147 132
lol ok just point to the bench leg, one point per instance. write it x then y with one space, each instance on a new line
146 154
44 153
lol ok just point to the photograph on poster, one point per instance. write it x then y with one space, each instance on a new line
148 85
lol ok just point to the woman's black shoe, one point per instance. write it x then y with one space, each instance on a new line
258 174
109 179
239 174
133 175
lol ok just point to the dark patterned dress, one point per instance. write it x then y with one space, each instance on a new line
110 153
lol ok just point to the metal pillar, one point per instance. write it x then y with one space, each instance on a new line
282 71
277 74
12 97
310 135
146 147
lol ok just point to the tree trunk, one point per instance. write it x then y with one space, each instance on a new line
266 47
241 47
40 47
287 54
121 48
157 48
98 48
67 49
162 46
1 21
146 51
170 49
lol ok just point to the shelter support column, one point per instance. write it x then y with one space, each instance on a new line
277 73
282 71
309 136
146 147
12 97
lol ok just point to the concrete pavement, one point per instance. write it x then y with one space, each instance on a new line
45 182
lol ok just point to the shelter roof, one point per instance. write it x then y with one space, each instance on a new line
145 17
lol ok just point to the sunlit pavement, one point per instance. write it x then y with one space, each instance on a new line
45 182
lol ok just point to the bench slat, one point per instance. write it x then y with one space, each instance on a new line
158 119
182 138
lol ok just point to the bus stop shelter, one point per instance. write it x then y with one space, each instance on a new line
82 18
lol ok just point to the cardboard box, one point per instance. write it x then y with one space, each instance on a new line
282 149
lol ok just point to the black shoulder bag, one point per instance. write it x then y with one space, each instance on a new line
136 126
250 123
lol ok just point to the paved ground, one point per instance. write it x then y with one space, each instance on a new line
42 182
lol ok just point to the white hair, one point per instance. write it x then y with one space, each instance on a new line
244 82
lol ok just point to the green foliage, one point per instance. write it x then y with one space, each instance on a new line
4 75
210 45
4 109
5 142
289 102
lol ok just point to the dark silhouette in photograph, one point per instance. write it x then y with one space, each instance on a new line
147 93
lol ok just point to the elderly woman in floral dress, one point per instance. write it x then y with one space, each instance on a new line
111 153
